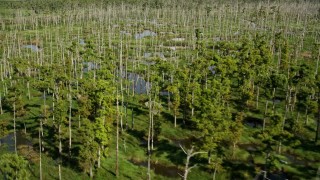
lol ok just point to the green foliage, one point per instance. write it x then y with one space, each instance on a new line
210 78
247 94
88 151
61 111
236 128
175 103
13 166
4 130
101 132
15 98
212 120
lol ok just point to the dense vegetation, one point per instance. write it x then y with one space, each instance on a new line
159 89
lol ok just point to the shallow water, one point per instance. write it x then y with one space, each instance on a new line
88 66
81 42
212 69
165 93
125 33
32 47
293 159
21 140
140 85
155 54
168 171
145 33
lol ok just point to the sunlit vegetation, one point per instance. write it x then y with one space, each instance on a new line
159 89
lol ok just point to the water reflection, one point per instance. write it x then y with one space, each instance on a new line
140 86
9 141
212 69
81 42
155 54
168 171
145 33
88 66
32 47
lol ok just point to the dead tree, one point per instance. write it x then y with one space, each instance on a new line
190 153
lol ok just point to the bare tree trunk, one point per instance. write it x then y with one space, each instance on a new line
59 172
318 121
60 150
99 157
294 101
126 116
121 88
175 119
169 101
257 99
70 133
14 127
186 168
117 146
273 99
41 130
79 121
214 174
53 108
149 139
91 172
40 165
60 143
190 153
28 87
25 128
265 116
234 149
132 119
1 111
192 101
121 114
283 124
206 81
152 130
318 58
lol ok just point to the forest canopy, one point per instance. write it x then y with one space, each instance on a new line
159 89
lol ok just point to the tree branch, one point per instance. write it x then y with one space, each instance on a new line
183 149
189 169
195 153
181 175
